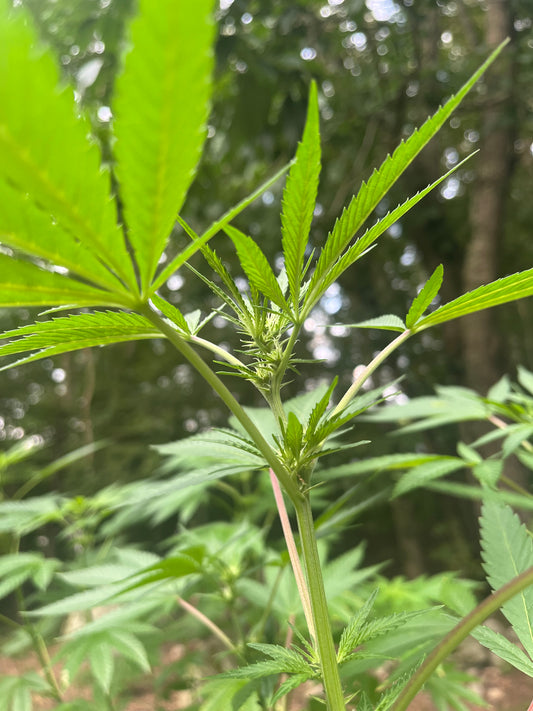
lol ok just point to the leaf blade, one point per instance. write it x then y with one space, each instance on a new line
26 284
425 297
329 268
74 332
220 224
382 179
299 198
160 120
510 288
256 267
507 551
26 227
35 135
387 322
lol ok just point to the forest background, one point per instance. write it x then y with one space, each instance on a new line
382 67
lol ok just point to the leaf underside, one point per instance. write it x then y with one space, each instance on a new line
38 128
299 199
161 110
62 335
510 288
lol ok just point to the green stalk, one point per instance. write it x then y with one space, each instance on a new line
367 372
217 350
460 632
226 396
274 397
38 642
39 645
324 638
319 607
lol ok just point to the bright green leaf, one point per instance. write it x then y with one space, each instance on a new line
256 266
170 568
171 312
102 663
488 472
220 224
500 391
299 199
39 127
221 694
388 322
26 227
511 288
516 435
332 263
507 551
161 105
130 647
25 284
424 473
373 191
525 378
506 650
70 333
425 297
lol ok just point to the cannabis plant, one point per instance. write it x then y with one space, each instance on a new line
93 240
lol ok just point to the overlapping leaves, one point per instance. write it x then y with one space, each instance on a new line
47 156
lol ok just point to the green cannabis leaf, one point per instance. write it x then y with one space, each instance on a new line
160 119
507 551
299 199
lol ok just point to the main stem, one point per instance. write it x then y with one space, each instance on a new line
319 607
315 581
227 397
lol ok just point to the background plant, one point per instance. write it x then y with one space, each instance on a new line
84 258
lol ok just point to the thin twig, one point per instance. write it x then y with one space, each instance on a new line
215 629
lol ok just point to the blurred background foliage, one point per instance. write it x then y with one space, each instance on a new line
382 66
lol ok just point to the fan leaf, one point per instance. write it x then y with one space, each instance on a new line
26 284
388 322
220 224
27 228
74 332
161 110
507 551
38 128
329 267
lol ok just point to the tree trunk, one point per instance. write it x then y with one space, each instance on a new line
480 339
